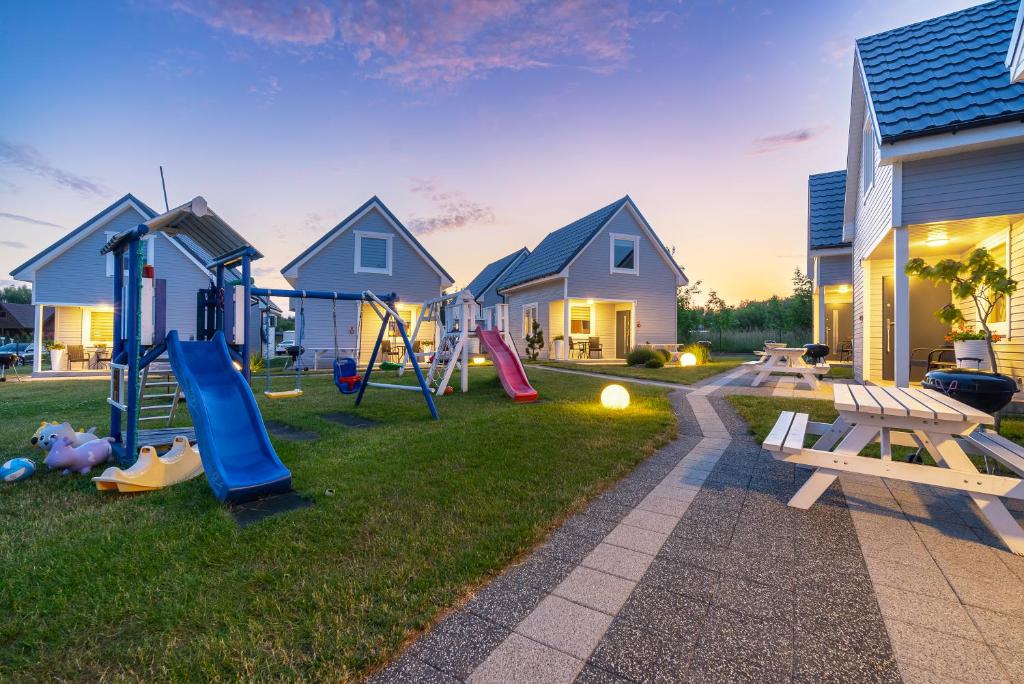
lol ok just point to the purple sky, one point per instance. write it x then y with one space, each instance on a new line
482 125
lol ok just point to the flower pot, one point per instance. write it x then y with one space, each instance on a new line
968 351
557 347
57 359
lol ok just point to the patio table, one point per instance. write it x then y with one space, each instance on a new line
789 361
911 417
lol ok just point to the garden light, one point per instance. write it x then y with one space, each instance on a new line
479 360
688 359
614 397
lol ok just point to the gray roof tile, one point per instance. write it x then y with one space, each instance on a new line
492 272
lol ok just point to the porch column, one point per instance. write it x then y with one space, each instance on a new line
565 329
37 341
822 337
901 307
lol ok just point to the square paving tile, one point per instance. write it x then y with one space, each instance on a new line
737 648
566 626
568 546
756 600
519 659
648 520
637 539
934 614
682 578
595 675
505 601
952 656
595 589
1003 595
999 629
690 551
543 570
459 643
640 656
408 670
657 609
663 505
618 561
763 567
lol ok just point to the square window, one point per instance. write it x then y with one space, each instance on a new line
373 253
624 253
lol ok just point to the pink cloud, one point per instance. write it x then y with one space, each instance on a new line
422 44
781 141
453 210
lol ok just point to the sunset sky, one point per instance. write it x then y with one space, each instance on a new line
482 124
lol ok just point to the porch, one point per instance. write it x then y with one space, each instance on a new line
898 326
833 320
87 334
589 329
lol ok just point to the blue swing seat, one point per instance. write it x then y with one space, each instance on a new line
345 377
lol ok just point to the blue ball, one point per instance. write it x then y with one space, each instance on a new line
17 469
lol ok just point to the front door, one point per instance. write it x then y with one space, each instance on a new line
623 330
888 330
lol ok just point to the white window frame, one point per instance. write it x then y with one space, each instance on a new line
867 159
535 308
635 239
387 237
1001 328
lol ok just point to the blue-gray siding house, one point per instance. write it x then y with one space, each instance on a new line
369 250
71 279
935 169
606 276
830 261
485 286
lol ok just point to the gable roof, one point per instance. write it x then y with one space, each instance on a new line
22 314
1015 55
129 200
492 271
826 198
942 74
560 247
346 224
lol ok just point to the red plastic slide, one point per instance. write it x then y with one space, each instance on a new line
510 370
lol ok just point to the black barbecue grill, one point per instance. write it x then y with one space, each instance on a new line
985 391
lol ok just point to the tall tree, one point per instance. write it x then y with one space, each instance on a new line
16 294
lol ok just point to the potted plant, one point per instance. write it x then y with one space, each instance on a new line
977 280
57 356
969 344
558 345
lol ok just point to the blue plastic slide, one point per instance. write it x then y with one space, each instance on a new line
239 460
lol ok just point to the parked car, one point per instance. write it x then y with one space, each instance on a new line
282 347
28 356
16 349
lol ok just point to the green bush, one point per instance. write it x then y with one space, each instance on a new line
639 356
700 351
654 362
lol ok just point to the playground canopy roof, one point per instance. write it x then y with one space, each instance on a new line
198 223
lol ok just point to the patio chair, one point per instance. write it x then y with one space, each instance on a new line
575 348
594 349
846 351
76 354
924 359
387 351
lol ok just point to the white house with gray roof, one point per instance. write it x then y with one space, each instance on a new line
830 262
71 279
605 280
369 250
935 169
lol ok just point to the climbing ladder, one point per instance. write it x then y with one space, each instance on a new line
445 361
159 393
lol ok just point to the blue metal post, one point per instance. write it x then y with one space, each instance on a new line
416 367
246 288
115 413
132 338
373 357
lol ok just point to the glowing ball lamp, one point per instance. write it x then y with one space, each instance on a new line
615 397
688 359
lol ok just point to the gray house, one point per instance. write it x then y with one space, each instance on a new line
73 282
485 286
606 276
830 261
935 169
369 250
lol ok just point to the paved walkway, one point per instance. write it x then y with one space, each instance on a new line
693 568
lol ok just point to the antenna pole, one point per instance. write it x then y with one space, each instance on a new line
167 207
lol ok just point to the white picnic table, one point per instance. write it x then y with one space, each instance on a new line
913 417
787 361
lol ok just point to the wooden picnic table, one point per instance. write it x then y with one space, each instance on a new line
787 361
919 418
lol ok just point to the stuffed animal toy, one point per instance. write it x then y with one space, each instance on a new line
78 459
44 436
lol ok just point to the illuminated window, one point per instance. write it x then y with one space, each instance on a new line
529 316
579 323
998 253
101 327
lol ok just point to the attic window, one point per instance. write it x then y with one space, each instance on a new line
373 253
623 254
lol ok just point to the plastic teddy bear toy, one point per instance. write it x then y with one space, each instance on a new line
79 459
47 432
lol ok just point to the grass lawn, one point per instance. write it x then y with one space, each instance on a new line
165 586
760 413
676 374
840 373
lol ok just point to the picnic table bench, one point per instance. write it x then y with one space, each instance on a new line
786 361
919 418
